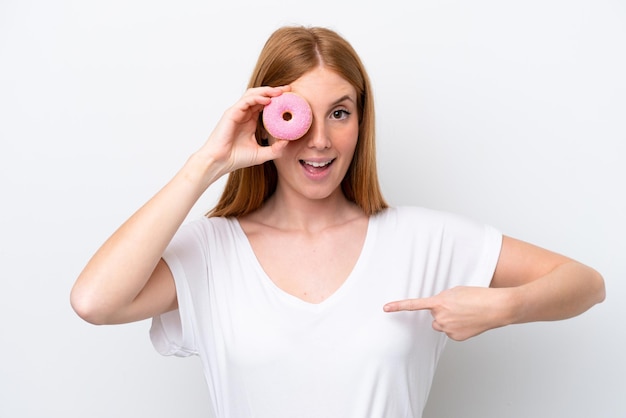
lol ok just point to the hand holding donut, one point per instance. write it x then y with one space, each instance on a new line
232 144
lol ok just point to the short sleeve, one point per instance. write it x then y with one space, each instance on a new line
472 250
174 333
487 257
445 250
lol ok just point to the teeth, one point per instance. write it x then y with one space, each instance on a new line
316 164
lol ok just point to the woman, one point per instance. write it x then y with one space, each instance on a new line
302 292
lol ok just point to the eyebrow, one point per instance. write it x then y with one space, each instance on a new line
341 99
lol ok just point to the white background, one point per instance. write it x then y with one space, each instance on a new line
510 112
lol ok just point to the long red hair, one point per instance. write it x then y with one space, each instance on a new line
289 53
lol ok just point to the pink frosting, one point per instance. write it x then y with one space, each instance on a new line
288 116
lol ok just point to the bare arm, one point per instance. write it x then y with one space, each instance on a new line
529 284
126 279
545 286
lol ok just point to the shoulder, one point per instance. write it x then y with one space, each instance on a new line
204 230
416 215
204 239
204 223
425 222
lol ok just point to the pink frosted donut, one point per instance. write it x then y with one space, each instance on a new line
288 116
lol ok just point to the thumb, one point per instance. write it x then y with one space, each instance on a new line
410 305
273 151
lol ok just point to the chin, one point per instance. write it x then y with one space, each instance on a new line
323 194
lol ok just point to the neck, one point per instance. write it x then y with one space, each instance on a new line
289 212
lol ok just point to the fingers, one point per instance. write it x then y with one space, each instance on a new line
415 305
461 312
437 327
272 152
252 102
233 144
409 305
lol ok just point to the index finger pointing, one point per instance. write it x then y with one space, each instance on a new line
409 305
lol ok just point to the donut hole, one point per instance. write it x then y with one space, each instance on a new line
287 116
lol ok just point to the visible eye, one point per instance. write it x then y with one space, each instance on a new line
340 114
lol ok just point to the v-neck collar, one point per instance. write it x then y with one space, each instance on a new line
292 299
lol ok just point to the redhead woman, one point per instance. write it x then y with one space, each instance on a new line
303 292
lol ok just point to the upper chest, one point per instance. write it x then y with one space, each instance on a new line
310 266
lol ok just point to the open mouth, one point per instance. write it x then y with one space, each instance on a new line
316 166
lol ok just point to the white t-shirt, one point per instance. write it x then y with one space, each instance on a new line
269 354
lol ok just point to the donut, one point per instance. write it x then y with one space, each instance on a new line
287 116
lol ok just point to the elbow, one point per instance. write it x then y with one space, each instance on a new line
87 307
591 285
598 286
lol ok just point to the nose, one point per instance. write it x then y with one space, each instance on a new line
317 137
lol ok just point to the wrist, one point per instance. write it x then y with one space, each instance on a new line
514 305
201 170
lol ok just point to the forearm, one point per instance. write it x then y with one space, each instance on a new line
120 269
529 284
124 280
568 290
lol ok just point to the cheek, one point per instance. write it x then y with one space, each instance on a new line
351 139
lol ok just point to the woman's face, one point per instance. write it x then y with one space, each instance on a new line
315 165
